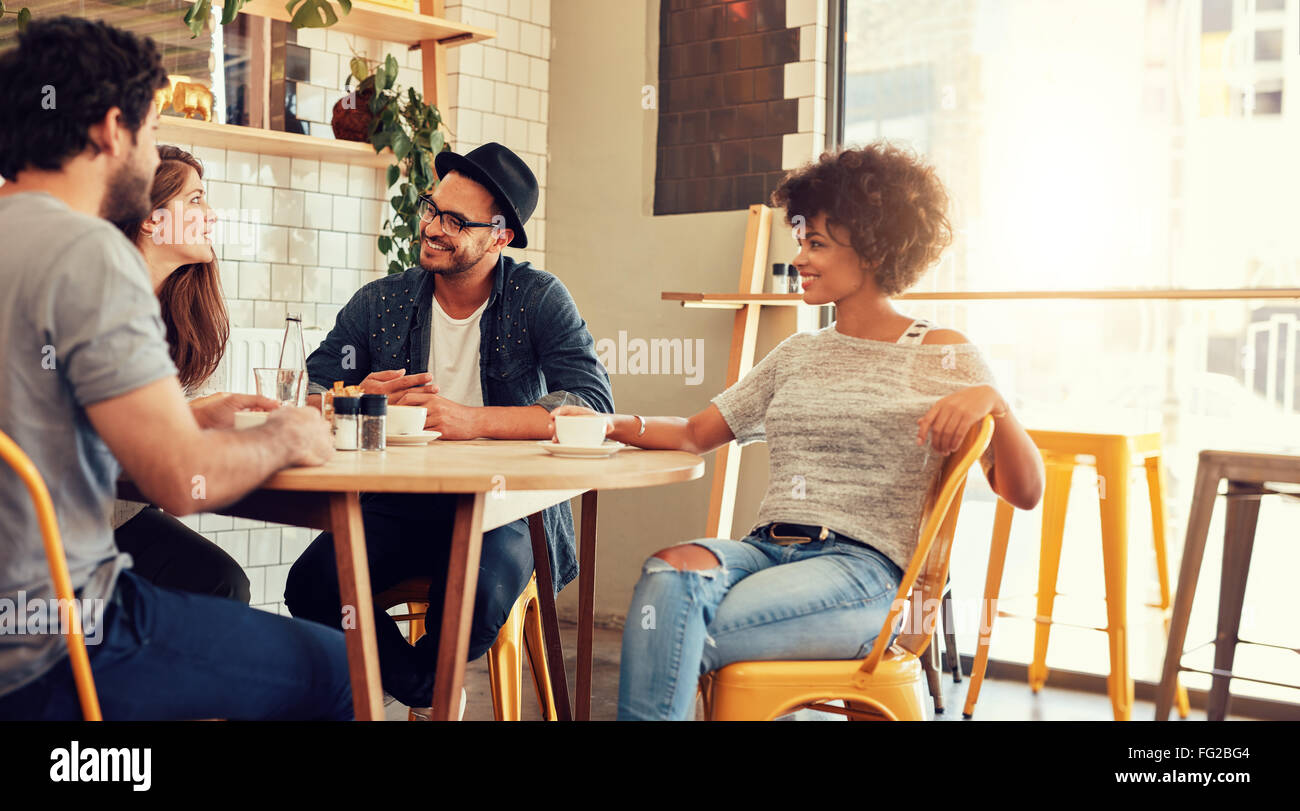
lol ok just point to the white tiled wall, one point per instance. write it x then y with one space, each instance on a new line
316 223
805 80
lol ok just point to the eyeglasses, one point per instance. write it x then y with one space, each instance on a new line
451 223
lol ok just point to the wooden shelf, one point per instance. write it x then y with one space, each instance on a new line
172 129
385 23
735 301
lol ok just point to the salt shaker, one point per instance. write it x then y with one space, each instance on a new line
346 433
374 416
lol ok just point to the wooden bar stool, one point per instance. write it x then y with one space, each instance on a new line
1112 456
1248 475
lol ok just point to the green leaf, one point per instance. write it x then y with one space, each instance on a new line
393 174
359 69
390 71
437 141
385 245
401 145
229 10
402 232
396 202
314 14
380 140
2 9
24 17
394 267
197 17
346 5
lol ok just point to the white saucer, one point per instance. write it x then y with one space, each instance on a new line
421 438
582 451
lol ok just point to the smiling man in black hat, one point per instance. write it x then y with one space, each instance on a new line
489 346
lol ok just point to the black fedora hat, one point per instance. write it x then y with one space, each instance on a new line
502 173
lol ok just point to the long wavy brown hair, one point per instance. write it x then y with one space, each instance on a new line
193 308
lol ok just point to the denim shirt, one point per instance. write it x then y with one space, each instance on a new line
534 347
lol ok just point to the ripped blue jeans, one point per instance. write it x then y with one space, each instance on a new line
815 600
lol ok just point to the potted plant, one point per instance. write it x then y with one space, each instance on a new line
381 113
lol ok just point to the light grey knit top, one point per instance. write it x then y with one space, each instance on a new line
839 416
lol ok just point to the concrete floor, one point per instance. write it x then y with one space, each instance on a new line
999 700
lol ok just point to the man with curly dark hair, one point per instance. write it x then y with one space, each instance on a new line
89 389
846 412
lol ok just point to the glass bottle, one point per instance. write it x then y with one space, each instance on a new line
293 354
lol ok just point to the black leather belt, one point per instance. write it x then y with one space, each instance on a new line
784 533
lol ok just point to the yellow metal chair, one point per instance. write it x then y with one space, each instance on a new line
522 633
890 682
1113 455
77 655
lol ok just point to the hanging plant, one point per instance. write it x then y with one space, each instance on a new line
310 13
23 14
401 121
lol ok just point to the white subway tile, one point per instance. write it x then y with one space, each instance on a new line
273 170
263 547
530 39
229 272
211 522
340 43
799 13
287 207
256 584
547 39
363 252
276 577
214 162
347 213
235 544
517 68
327 314
516 134
361 181
471 59
539 74
241 167
343 285
318 130
313 38
508 33
324 69
303 247
286 281
254 280
333 248
470 127
318 211
311 102
494 128
293 542
305 174
224 197
241 313
521 9
333 178
537 140
308 312
268 314
529 105
273 243
248 523
316 284
506 100
256 199
494 64
542 13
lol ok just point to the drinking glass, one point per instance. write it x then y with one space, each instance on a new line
280 385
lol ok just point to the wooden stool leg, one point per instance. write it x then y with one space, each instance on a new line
1198 528
1238 542
1056 497
989 610
1159 523
950 636
1113 467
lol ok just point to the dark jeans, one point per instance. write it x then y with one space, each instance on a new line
168 655
409 536
169 554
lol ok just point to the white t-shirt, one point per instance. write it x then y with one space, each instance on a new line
454 355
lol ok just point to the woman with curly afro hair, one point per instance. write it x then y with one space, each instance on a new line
857 416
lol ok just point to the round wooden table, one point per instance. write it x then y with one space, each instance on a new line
496 481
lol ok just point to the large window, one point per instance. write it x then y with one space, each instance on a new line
1100 145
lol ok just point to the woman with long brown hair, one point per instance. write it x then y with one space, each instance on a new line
176 242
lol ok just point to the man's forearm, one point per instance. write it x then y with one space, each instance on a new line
513 422
225 465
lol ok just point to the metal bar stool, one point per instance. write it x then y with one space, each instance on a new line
1113 456
1248 475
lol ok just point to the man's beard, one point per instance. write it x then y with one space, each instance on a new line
461 260
127 198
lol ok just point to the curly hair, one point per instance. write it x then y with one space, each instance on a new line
891 202
63 77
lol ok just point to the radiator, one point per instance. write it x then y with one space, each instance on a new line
251 348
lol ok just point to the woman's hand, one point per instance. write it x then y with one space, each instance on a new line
949 420
218 410
578 411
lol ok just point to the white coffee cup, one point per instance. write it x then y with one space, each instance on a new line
249 419
406 419
582 430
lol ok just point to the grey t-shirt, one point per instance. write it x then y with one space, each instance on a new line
839 416
79 323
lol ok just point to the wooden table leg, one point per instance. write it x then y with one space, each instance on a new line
586 605
1238 542
458 606
550 620
1198 528
358 612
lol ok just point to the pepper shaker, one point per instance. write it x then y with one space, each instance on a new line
374 416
